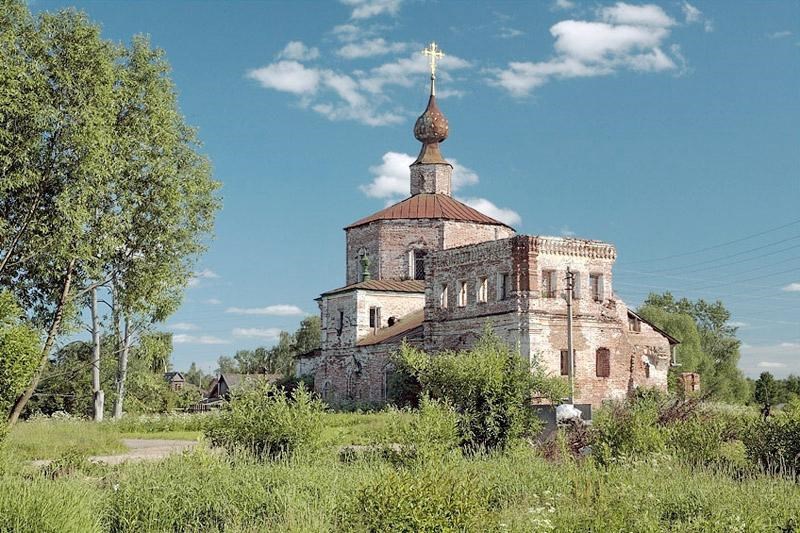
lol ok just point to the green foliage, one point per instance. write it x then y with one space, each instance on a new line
627 430
263 420
430 500
766 390
425 434
46 438
774 443
19 352
709 348
490 388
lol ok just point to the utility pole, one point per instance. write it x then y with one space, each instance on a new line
97 392
570 356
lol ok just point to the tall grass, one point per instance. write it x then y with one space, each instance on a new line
50 438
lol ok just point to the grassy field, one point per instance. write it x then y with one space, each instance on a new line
517 490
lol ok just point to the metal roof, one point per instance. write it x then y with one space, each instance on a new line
429 206
385 285
409 326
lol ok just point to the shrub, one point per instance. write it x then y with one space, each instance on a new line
626 429
774 443
427 433
431 499
490 388
269 422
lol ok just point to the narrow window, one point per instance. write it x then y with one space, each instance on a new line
443 296
483 289
647 370
374 317
419 264
595 285
462 294
548 283
340 323
565 362
634 324
502 286
326 390
603 363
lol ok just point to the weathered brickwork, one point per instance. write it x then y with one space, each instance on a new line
431 179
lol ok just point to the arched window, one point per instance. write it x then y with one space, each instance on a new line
386 377
416 264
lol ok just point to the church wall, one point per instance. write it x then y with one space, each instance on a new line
362 238
338 330
398 237
457 233
391 304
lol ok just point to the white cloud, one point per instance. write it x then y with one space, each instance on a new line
274 310
392 177
626 37
206 273
297 51
406 71
792 287
213 301
784 357
566 232
691 14
563 4
510 33
202 339
737 324
259 333
503 214
183 326
364 9
643 15
779 34
370 48
287 76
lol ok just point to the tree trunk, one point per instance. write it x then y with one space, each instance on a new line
19 405
123 371
97 392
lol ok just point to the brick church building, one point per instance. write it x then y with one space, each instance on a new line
433 271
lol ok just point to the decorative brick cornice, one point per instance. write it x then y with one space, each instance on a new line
575 247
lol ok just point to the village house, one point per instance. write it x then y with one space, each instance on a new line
175 380
433 271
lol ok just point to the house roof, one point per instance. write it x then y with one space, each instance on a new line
385 285
170 376
429 206
672 340
408 326
235 381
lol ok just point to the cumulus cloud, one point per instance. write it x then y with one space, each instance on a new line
391 178
270 334
370 48
201 339
287 76
273 310
183 326
197 277
792 287
297 51
503 214
692 15
624 37
563 4
364 9
360 95
783 358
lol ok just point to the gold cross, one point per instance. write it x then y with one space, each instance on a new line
434 53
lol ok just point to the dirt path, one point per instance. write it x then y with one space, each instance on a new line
139 450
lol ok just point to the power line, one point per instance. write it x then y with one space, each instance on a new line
715 246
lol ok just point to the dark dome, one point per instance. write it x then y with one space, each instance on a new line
431 126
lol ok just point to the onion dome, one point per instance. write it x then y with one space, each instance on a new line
430 129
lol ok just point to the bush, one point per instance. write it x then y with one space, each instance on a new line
774 443
268 422
627 429
490 388
427 433
431 499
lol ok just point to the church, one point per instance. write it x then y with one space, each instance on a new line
432 271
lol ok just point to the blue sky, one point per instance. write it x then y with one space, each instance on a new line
669 129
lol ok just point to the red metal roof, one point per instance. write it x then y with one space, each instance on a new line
387 285
432 206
